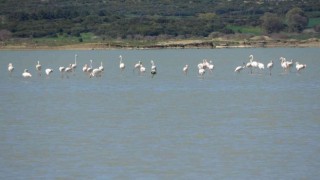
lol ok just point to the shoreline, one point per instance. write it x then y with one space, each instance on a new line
176 44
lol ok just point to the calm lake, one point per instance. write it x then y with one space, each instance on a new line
126 125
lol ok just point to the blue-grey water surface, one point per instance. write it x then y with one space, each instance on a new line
130 126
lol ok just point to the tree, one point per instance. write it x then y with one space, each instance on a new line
207 16
317 28
296 20
271 23
5 35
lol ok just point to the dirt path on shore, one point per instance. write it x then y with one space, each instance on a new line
214 43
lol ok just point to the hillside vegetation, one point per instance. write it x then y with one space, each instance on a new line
134 20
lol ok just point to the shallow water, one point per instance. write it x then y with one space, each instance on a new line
130 126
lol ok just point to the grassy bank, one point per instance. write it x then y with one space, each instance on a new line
90 41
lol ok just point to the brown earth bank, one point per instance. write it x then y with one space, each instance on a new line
255 42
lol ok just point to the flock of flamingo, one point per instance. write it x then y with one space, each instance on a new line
286 65
88 69
252 65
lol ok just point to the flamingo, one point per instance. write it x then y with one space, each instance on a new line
260 65
136 66
290 64
10 68
240 68
200 66
299 66
101 68
284 64
254 64
68 69
210 66
89 69
121 65
153 68
26 74
202 72
61 69
38 67
85 68
74 66
270 66
185 69
142 68
96 73
205 63
49 71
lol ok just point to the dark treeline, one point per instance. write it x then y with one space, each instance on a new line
151 18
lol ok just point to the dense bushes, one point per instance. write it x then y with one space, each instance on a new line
152 18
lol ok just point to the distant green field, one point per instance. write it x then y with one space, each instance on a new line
313 22
246 29
88 36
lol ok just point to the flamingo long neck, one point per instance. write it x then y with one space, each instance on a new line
75 59
251 58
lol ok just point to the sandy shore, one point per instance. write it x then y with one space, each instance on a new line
176 44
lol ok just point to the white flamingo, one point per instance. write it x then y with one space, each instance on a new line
85 68
239 68
10 68
290 64
260 66
101 68
74 66
38 67
284 64
137 66
254 64
202 72
61 69
205 63
26 74
185 69
210 66
299 66
153 68
95 73
201 66
48 71
270 66
68 70
142 69
89 69
121 65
